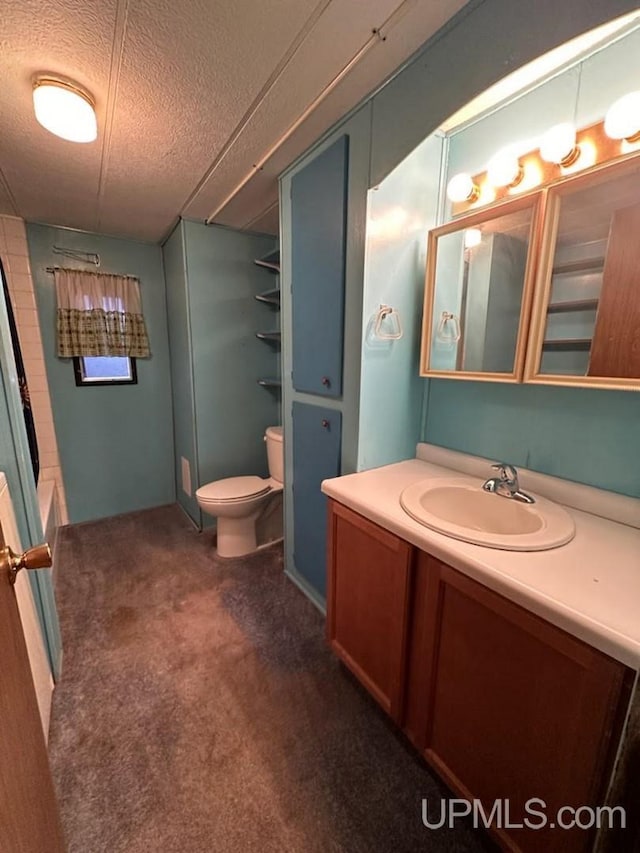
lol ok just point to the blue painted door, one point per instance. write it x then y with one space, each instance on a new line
16 464
316 456
318 236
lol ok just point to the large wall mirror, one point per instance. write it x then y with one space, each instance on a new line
478 292
586 326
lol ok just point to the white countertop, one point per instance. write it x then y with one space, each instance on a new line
589 587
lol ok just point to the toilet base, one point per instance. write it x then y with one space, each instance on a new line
236 536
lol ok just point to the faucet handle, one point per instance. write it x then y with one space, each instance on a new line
508 473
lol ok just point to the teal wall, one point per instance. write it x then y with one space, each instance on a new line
220 411
580 434
400 212
115 443
184 425
590 436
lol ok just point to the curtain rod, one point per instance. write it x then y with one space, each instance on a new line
78 255
51 270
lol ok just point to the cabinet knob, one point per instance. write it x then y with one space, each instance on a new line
326 381
325 423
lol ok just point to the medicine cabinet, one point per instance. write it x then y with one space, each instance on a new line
586 321
478 293
544 288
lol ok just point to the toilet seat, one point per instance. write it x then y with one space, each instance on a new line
232 489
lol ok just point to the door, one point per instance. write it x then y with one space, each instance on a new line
40 670
369 573
29 821
316 457
318 252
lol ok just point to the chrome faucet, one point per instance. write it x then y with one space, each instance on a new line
506 484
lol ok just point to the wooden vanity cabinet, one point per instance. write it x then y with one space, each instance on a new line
500 703
368 604
503 704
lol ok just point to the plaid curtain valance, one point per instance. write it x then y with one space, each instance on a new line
99 314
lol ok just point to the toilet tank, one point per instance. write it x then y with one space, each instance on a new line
275 452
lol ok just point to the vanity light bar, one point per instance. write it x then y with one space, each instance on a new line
591 147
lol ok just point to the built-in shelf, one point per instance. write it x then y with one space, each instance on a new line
270 261
570 267
572 305
271 297
575 344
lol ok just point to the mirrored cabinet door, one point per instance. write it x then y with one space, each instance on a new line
587 310
478 293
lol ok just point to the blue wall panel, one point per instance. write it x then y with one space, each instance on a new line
115 443
316 456
318 234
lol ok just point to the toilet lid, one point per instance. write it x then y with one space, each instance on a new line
233 489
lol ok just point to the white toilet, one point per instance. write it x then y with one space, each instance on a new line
238 502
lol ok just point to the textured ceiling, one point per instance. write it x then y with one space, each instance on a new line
190 97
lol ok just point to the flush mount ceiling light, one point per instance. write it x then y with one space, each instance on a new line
462 188
559 145
65 110
504 170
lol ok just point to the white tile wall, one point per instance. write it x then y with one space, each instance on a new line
15 257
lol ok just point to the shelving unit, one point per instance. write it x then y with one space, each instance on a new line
572 305
270 261
271 298
572 311
567 344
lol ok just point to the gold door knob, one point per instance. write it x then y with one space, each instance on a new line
38 557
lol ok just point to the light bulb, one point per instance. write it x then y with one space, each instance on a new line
623 118
559 145
472 238
504 170
462 188
64 110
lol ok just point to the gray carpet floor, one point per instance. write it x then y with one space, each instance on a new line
200 710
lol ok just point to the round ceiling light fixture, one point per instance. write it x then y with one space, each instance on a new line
64 109
558 145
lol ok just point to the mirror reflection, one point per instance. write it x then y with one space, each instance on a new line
593 320
478 286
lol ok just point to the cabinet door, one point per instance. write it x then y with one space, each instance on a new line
503 704
316 457
318 232
369 574
586 317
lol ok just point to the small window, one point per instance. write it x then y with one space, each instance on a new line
105 370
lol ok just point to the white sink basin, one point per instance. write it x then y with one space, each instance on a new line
463 510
